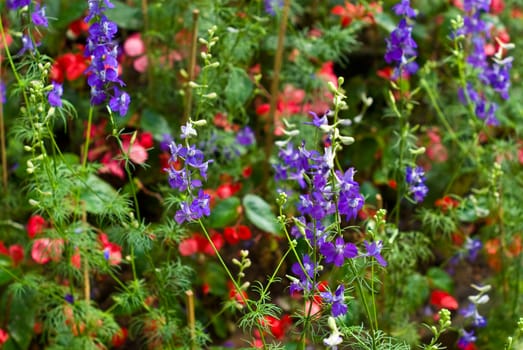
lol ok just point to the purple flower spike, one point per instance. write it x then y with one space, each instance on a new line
38 16
245 137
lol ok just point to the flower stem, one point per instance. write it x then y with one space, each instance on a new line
192 65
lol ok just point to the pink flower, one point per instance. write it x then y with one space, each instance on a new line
47 249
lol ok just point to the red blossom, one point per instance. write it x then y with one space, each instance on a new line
247 171
4 336
227 190
35 225
16 252
277 326
441 299
77 28
3 249
119 337
70 66
239 297
446 203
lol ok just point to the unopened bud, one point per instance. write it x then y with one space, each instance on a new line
33 203
200 122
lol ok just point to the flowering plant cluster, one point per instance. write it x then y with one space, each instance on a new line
268 174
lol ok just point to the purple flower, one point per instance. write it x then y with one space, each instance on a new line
304 281
337 252
403 9
415 178
27 45
401 47
338 308
119 102
188 131
3 98
374 250
38 16
184 213
167 139
54 96
473 246
350 200
97 8
201 205
271 5
69 298
16 4
245 137
466 338
318 121
471 312
102 49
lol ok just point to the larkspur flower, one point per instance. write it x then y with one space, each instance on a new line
471 313
401 47
305 275
337 252
374 250
3 98
38 16
337 301
245 137
16 4
54 96
415 178
271 5
102 50
187 178
466 339
27 45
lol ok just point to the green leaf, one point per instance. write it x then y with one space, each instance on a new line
439 279
224 213
125 16
5 269
260 214
97 194
239 88
22 312
154 123
417 290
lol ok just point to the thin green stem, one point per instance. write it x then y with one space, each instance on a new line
85 150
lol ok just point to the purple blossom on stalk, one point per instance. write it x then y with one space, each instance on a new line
3 98
102 49
27 45
466 339
245 137
120 101
374 250
54 96
304 280
16 4
415 178
271 5
350 200
187 179
401 47
337 252
338 308
471 312
473 246
38 16
69 298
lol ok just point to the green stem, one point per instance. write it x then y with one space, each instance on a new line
85 150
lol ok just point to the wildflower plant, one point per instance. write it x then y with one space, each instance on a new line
220 174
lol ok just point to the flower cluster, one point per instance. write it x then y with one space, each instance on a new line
494 73
187 177
401 47
325 194
470 312
415 178
103 50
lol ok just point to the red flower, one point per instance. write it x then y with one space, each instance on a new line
247 171
3 249
231 235
112 251
35 225
70 66
349 12
218 241
119 337
77 28
16 252
240 298
446 203
278 327
227 190
4 336
441 299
